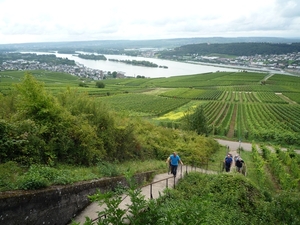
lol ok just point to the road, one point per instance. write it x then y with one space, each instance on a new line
234 145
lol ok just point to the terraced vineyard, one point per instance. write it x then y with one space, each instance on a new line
238 105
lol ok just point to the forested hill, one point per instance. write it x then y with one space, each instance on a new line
235 49
97 45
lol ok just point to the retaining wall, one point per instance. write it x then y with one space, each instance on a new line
55 205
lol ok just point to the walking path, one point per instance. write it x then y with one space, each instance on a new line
159 183
234 145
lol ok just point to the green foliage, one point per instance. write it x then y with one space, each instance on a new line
112 214
14 176
285 208
143 104
82 84
9 173
136 62
44 131
36 178
108 169
92 56
236 49
220 199
197 121
34 102
280 172
100 84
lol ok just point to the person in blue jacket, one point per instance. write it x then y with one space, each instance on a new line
173 160
227 162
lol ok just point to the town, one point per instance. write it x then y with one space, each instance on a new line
268 62
76 70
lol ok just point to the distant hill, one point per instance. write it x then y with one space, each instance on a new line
125 44
235 49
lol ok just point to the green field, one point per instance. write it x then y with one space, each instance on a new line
238 105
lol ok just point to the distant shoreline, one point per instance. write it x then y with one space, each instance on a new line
241 67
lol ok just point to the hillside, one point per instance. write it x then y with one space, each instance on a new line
94 46
233 49
55 132
238 106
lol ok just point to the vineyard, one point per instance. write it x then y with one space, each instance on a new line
283 166
238 105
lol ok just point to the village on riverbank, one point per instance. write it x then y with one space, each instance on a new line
252 63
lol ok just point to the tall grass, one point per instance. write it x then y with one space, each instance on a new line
14 177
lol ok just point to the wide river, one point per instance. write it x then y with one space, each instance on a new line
174 68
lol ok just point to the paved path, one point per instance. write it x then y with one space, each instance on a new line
234 145
159 183
158 187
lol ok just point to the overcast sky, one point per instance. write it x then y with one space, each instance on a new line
24 21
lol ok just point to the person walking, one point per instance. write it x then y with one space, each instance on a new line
228 161
173 160
239 164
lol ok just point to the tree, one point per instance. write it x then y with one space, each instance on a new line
197 121
114 74
100 84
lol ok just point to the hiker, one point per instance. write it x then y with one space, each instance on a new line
239 164
228 161
173 161
235 159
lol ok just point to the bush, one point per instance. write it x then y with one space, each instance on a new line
82 84
108 169
100 84
35 178
8 174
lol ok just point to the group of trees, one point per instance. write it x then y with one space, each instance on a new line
136 62
74 128
92 56
236 49
37 127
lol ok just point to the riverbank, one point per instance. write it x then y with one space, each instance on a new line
254 69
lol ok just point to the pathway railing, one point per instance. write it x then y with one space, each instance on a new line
173 178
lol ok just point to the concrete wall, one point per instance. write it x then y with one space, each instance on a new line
56 205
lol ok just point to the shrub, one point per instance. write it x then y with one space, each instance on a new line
35 178
9 172
108 169
100 84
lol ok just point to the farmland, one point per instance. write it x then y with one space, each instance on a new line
238 105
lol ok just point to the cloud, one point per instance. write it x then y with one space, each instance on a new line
66 20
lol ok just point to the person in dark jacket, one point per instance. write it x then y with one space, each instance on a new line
239 164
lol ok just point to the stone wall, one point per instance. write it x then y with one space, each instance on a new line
56 205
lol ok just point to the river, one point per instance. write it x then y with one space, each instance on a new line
174 68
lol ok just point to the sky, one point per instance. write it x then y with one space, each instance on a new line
24 21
